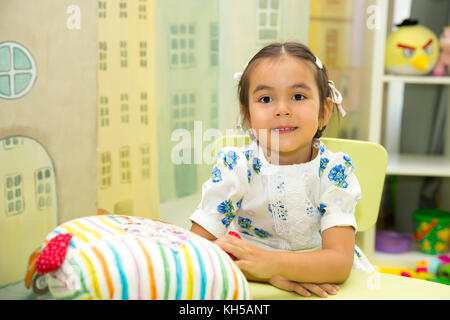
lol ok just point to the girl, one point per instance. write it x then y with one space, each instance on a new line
295 214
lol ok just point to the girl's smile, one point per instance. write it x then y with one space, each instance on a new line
284 130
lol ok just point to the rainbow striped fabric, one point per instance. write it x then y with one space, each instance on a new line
124 257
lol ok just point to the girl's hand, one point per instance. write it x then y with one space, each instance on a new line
252 260
304 289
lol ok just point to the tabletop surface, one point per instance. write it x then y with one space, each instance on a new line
362 285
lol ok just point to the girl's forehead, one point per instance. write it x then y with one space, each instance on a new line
285 67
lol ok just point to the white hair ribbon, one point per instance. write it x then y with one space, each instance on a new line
319 63
336 97
237 76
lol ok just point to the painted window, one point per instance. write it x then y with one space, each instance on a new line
142 9
144 108
125 167
102 55
17 70
124 108
268 17
183 110
105 170
145 161
214 43
143 54
182 45
12 142
43 183
123 9
102 9
104 112
15 202
123 54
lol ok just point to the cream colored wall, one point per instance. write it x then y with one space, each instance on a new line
58 114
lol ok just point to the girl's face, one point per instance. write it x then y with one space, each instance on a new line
284 105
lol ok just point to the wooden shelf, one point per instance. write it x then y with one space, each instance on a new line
418 165
445 80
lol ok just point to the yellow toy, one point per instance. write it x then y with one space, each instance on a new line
404 272
411 50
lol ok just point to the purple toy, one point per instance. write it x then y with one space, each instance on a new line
392 242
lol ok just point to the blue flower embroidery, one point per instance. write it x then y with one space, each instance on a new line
337 174
249 176
230 159
245 223
281 186
322 209
323 165
278 210
348 162
247 233
256 165
322 150
248 154
216 175
227 220
238 204
261 233
225 207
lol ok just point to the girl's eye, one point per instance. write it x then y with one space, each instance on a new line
298 97
265 99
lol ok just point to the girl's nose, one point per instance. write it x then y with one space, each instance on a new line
282 109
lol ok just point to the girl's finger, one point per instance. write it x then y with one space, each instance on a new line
229 247
314 288
329 288
287 285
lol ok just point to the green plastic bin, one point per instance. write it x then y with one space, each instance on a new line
432 230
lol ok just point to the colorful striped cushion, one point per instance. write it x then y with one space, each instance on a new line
122 257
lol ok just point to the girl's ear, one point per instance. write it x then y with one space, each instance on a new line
327 112
246 120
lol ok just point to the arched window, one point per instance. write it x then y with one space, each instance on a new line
17 70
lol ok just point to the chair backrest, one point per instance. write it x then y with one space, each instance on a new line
370 160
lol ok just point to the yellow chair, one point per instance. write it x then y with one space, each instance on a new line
370 160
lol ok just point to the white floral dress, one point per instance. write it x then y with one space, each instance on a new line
280 207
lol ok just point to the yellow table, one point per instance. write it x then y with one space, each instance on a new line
364 286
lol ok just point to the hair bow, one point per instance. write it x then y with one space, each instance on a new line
336 97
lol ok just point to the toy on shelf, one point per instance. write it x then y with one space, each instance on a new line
443 63
432 230
437 269
123 257
392 242
413 49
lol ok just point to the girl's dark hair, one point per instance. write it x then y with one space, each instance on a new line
275 50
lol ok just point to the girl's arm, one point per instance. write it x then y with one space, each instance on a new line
198 229
331 264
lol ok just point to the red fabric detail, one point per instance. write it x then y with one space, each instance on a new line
234 234
53 254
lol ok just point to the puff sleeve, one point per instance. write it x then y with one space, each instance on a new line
339 192
223 192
